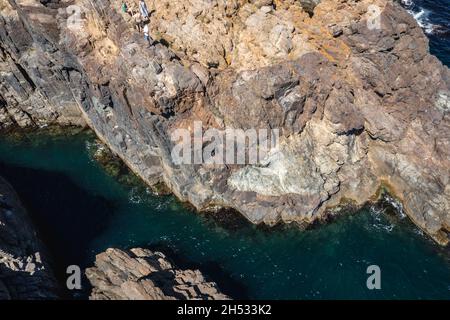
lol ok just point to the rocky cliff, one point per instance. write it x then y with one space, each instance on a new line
25 271
351 84
140 274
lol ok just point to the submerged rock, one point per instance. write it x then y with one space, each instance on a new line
25 272
141 274
359 100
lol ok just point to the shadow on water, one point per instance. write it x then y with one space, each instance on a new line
246 261
212 270
62 212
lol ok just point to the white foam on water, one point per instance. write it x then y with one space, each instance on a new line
139 196
407 3
135 196
421 15
423 21
396 204
380 223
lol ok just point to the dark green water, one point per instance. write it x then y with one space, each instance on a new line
80 211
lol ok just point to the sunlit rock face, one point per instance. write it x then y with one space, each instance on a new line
240 34
141 274
357 97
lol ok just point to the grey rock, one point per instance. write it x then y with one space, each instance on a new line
25 271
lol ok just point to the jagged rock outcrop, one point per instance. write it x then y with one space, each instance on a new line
358 98
25 272
32 87
140 274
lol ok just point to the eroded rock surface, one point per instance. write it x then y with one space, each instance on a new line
32 87
25 272
358 98
140 274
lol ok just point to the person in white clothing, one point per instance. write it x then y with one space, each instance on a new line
146 34
147 38
143 9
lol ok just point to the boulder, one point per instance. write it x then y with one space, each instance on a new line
141 274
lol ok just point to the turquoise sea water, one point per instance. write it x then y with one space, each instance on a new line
434 17
80 211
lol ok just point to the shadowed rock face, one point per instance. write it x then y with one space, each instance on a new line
141 274
358 98
24 267
309 5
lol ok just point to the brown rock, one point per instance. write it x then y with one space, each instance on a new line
358 107
140 274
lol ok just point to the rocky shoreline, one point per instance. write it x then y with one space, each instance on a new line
141 274
358 107
136 274
25 268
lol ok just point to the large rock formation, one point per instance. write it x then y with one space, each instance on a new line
32 86
352 86
24 267
140 274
